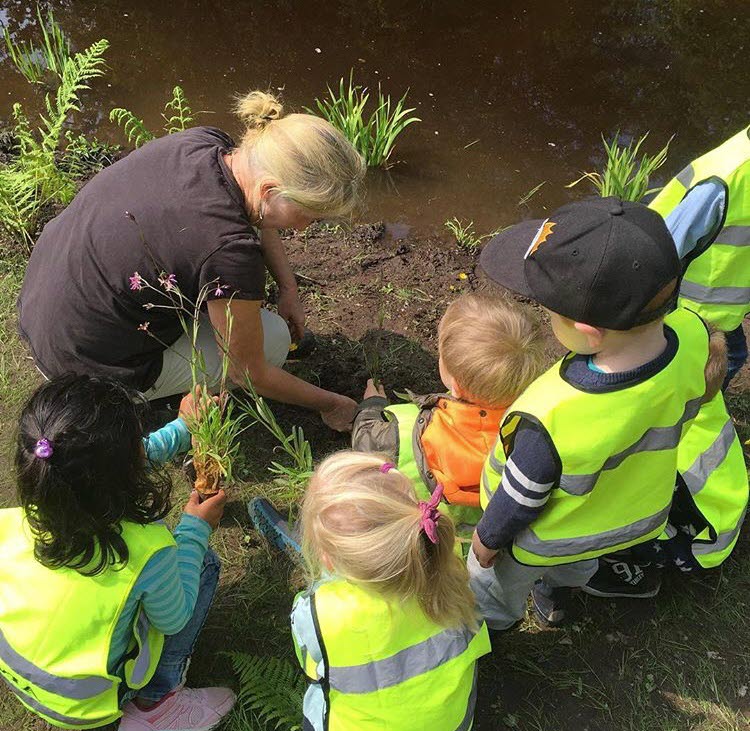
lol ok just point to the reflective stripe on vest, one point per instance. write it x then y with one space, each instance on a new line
714 295
717 282
404 665
53 715
723 540
617 450
75 688
705 463
529 541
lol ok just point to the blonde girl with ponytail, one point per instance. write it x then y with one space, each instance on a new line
388 634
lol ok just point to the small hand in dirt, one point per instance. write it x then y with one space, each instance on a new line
210 510
340 415
485 556
290 308
373 390
193 404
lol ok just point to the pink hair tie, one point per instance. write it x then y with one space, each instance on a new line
387 467
430 514
43 449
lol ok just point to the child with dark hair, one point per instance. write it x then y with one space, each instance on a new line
100 605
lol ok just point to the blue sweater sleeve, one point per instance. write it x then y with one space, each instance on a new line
168 584
695 222
531 471
167 442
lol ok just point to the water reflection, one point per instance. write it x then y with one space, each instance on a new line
511 94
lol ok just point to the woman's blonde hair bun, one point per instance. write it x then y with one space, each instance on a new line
257 108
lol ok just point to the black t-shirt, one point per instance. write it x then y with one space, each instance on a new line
76 308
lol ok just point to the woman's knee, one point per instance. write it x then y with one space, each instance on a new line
276 338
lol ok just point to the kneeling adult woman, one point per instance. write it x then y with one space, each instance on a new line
192 209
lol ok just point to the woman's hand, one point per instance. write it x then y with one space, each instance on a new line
193 405
290 308
340 415
211 509
373 390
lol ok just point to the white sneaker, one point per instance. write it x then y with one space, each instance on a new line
185 709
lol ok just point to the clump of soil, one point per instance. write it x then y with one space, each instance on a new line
207 475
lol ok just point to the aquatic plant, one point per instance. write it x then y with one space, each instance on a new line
464 233
626 172
50 57
373 136
271 688
217 423
37 175
177 115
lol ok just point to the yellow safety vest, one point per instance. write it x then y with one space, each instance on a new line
618 451
387 666
711 463
406 416
716 284
56 627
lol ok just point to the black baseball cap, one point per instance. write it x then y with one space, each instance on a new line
599 261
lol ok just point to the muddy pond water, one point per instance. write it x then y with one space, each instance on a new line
511 94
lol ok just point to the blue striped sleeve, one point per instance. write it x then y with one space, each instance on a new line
696 221
531 472
169 583
167 442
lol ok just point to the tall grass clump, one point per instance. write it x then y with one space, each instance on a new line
627 171
40 171
373 136
177 115
37 63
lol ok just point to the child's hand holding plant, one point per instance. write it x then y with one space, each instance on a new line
210 510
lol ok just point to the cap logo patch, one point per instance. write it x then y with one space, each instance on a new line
544 232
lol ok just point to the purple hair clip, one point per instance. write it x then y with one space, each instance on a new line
387 467
43 449
431 514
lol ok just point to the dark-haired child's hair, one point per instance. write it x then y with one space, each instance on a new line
97 476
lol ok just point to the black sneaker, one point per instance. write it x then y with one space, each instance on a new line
617 578
550 605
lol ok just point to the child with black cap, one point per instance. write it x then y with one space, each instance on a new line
586 458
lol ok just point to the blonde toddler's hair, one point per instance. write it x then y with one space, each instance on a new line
492 347
365 526
314 165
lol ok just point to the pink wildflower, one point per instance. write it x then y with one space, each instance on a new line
219 291
144 326
168 281
136 282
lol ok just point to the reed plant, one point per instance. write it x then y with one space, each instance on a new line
37 63
373 135
627 170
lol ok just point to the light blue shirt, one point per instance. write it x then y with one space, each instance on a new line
696 221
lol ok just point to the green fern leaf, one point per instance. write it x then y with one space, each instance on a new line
78 71
134 128
178 115
271 688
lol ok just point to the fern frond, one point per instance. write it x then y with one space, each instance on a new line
178 115
78 71
134 128
271 688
